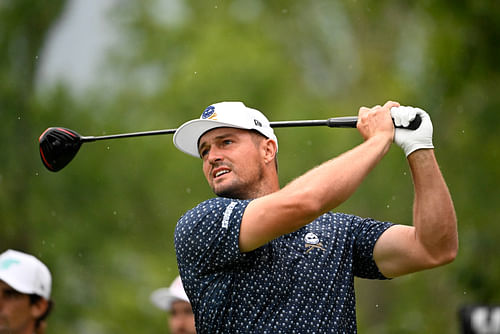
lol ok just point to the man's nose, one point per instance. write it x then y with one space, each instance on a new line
214 155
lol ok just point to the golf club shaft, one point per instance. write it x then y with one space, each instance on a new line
86 139
335 122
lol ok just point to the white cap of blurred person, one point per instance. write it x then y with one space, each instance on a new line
174 300
25 285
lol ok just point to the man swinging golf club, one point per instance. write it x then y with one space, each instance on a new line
260 259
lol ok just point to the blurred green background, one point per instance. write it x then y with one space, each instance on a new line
104 224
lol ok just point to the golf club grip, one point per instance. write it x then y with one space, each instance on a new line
351 121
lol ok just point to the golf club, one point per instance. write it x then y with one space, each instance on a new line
58 146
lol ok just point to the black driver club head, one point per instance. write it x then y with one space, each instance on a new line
58 146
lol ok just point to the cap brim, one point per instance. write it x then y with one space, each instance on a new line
187 135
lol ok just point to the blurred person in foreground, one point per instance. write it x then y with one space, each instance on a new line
174 300
25 285
264 259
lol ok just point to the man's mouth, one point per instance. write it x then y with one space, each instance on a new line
220 172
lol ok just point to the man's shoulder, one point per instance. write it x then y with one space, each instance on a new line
213 206
207 224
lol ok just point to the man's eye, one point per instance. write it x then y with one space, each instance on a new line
203 152
228 141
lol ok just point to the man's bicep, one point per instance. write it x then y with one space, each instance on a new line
397 252
266 218
254 229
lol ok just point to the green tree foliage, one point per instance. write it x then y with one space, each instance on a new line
23 25
105 223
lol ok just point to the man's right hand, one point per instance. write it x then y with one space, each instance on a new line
376 121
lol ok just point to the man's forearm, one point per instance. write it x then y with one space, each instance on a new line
433 212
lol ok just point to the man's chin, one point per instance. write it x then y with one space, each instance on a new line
228 192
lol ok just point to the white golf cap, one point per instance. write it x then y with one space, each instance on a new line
164 297
219 115
25 273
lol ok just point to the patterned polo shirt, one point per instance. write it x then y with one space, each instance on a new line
302 282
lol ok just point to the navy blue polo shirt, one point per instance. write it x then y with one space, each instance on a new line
302 282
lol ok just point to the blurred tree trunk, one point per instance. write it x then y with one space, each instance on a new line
24 26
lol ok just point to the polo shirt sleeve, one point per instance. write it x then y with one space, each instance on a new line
207 237
366 233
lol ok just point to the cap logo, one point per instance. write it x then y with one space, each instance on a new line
209 113
257 123
7 263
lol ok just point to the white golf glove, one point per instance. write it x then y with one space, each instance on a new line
412 140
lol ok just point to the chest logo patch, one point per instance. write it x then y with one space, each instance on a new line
312 241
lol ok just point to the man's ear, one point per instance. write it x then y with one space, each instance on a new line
269 150
39 307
